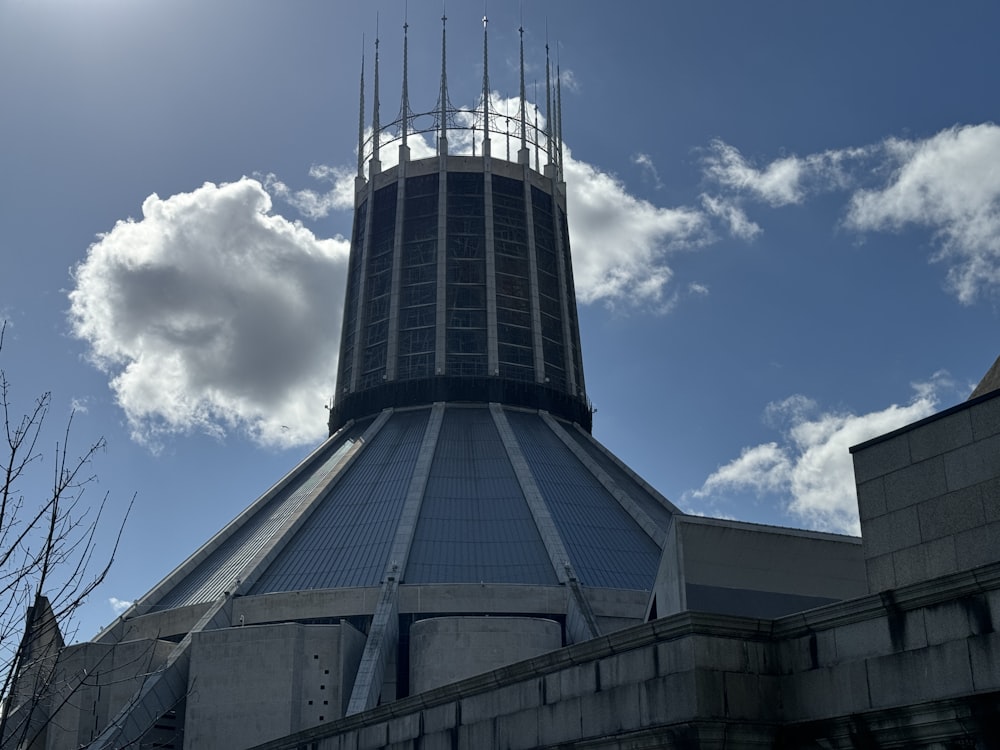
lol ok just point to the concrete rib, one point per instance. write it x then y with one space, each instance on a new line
347 539
384 633
558 555
624 499
183 571
261 560
582 622
614 460
400 553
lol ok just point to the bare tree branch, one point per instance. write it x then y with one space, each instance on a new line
49 562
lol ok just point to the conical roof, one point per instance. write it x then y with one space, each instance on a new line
506 496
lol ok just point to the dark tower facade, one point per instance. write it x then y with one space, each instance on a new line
460 281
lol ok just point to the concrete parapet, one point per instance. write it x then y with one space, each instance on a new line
163 624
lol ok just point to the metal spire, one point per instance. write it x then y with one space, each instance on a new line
559 141
375 123
524 130
406 92
361 117
486 86
534 96
548 100
443 136
506 123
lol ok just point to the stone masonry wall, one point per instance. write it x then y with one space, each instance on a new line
929 495
917 667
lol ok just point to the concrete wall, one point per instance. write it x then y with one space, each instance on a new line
93 682
918 668
929 495
254 682
732 567
448 649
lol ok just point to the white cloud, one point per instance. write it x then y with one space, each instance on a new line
949 183
778 183
784 181
311 203
118 605
568 80
621 244
762 468
810 468
728 211
211 314
645 161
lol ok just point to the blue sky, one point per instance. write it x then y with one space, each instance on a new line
785 219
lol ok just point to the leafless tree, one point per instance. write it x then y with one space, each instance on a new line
49 561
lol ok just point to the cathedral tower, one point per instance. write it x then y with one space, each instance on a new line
460 282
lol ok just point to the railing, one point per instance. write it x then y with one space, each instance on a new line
503 126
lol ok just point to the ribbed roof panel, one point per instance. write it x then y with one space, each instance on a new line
345 540
474 523
606 546
650 504
217 573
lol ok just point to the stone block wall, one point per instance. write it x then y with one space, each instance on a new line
929 495
915 668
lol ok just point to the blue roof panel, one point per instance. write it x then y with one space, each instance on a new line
606 546
474 522
345 540
649 503
217 572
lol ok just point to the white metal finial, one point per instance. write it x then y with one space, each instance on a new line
443 95
375 121
405 106
524 129
548 102
486 86
361 116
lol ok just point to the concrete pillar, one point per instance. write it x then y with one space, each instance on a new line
492 356
392 338
536 314
440 320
